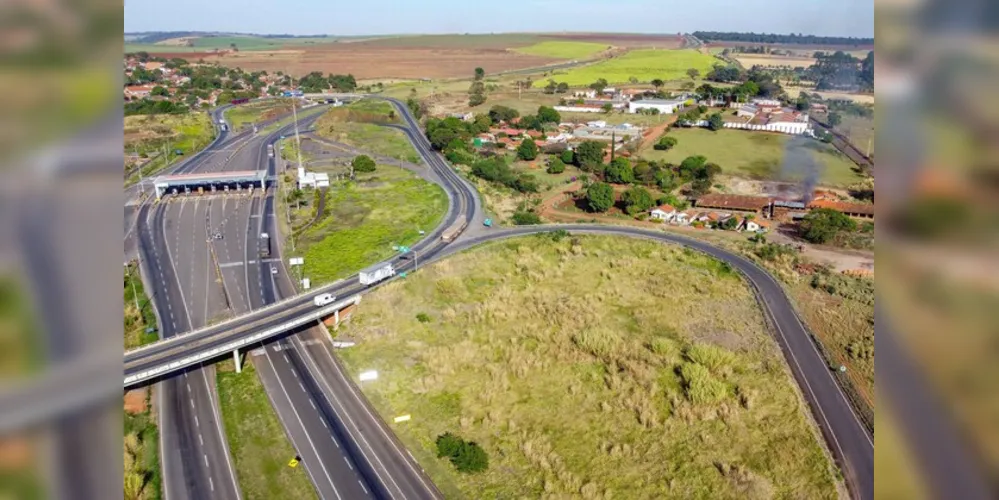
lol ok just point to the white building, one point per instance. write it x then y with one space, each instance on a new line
579 109
312 179
663 212
665 106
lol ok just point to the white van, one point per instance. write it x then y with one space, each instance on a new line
324 299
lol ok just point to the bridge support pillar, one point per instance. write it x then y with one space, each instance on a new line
236 361
336 320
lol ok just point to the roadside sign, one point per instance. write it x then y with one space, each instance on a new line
404 249
395 247
368 375
401 418
293 463
402 274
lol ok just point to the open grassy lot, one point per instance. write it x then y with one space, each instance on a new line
365 218
563 49
644 65
260 449
368 136
592 367
244 115
142 474
149 135
139 313
758 155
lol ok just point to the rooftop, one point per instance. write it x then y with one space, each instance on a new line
733 201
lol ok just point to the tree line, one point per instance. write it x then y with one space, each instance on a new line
732 36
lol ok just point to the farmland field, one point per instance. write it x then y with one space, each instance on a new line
209 43
644 65
563 49
749 60
756 155
590 367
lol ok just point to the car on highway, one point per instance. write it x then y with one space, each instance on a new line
323 299
217 235
274 270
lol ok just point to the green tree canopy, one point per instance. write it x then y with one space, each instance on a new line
637 200
480 73
715 122
822 224
556 166
528 150
568 157
502 113
548 114
619 172
600 196
665 143
363 163
589 154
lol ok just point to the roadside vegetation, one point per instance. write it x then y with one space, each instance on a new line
142 474
246 115
589 366
563 50
643 65
139 314
365 218
259 446
21 345
152 141
359 125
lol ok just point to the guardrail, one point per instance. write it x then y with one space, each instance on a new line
212 352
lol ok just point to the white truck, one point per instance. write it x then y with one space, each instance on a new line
323 299
270 151
376 273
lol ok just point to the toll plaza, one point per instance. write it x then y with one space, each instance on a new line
210 182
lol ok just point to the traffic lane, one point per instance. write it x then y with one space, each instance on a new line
950 466
852 446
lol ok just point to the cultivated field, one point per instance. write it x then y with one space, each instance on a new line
589 367
564 49
749 60
211 43
260 450
365 218
628 40
382 59
645 65
757 155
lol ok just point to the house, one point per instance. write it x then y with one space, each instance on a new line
138 91
597 124
755 225
510 132
665 106
465 117
663 213
152 65
736 202
766 102
747 111
682 218
585 94
534 134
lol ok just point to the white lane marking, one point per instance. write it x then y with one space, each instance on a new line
302 386
348 463
206 459
362 487
201 439
188 387
211 483
313 405
196 422
225 444
301 425
324 423
192 402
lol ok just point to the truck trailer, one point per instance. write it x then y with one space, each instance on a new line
376 273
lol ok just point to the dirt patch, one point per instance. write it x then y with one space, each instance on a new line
367 62
135 401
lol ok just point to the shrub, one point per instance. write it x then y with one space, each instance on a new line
714 358
822 224
637 200
363 163
557 166
467 456
665 143
448 445
423 318
700 386
525 218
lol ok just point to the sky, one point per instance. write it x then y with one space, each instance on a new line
338 17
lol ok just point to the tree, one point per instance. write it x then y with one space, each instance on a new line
363 163
834 119
160 90
665 179
480 73
233 47
619 172
599 85
476 99
448 445
607 107
665 143
822 224
568 157
658 83
551 88
562 88
730 223
589 154
600 197
548 114
528 150
502 114
525 218
700 186
637 200
715 122
470 458
690 166
693 73
556 166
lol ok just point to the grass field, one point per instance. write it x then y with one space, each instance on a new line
142 475
757 155
151 134
898 476
139 313
589 367
645 65
245 115
375 138
260 449
21 343
563 50
384 207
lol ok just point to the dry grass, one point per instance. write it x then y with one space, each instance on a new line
590 367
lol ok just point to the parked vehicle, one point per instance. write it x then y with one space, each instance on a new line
376 273
324 299
487 223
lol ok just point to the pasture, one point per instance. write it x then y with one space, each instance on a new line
644 65
563 49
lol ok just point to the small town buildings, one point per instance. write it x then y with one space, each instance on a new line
742 203
665 106
664 213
